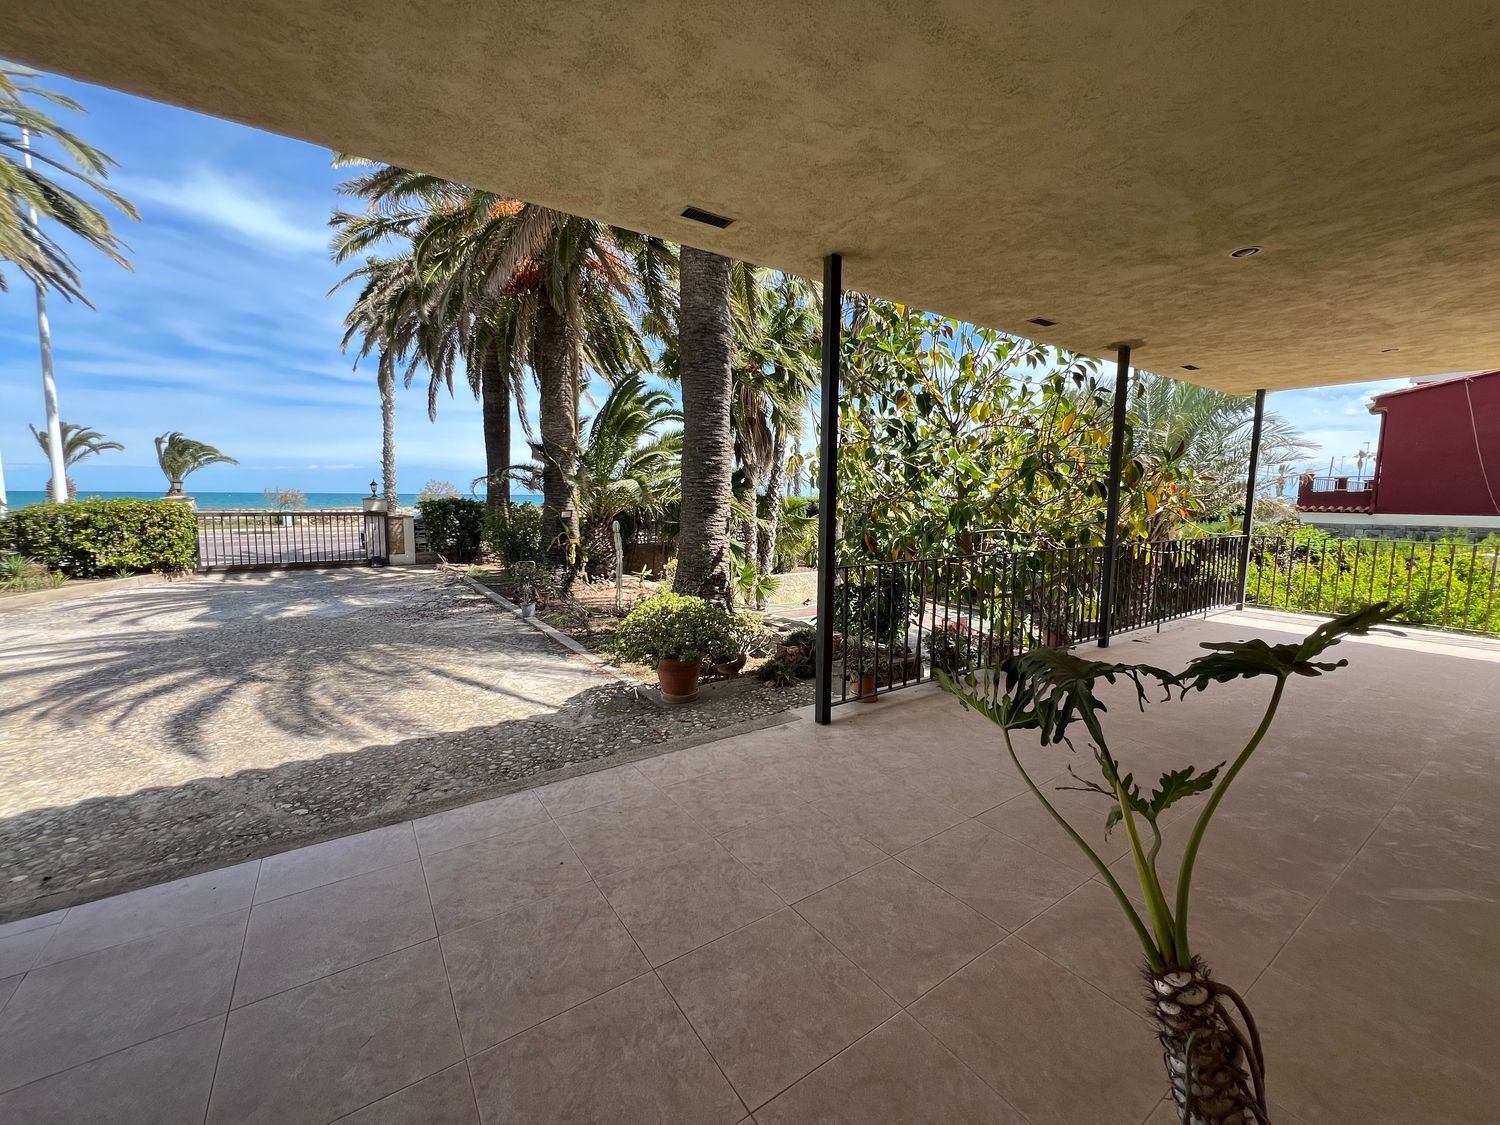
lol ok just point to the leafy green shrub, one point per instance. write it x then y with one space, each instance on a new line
90 538
676 627
796 534
453 525
514 536
17 574
779 671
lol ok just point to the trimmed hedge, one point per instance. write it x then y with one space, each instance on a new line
453 526
94 538
514 536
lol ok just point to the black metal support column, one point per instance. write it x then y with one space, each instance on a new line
1249 525
1112 504
828 481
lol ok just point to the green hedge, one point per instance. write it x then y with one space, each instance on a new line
454 524
94 538
514 536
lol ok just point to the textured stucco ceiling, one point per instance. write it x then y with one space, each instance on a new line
1087 161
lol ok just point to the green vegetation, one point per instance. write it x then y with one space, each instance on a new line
284 499
19 574
1215 1068
179 456
78 442
454 526
438 490
513 535
677 627
1449 584
94 538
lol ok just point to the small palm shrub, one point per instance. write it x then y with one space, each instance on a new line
1215 1066
18 573
676 627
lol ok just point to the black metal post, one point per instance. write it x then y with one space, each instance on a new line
1112 504
828 480
1249 525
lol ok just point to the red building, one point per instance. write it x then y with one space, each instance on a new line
1437 466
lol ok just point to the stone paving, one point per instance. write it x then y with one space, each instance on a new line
873 922
151 732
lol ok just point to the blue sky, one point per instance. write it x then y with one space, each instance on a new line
223 330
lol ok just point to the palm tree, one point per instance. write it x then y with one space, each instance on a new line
776 368
625 464
78 442
706 347
179 456
28 195
1212 429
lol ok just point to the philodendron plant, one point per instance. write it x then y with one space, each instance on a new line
1215 1066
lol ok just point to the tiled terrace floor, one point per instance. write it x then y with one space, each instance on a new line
871 922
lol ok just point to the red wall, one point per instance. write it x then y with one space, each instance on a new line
1428 461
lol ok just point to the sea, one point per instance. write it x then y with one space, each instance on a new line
21 498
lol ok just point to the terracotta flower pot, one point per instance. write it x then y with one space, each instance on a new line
866 687
678 679
730 667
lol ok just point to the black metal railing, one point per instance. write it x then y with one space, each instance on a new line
260 540
895 622
1442 584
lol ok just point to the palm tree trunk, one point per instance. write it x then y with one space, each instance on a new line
707 440
494 402
557 409
772 526
1216 1072
386 379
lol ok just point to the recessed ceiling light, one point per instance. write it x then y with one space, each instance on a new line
1245 252
1041 322
699 215
1190 367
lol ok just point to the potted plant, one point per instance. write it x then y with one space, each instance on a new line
676 631
867 672
732 660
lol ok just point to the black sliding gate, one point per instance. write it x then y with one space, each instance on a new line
268 540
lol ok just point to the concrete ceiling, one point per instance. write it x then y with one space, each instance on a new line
1084 161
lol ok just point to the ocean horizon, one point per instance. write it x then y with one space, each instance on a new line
211 501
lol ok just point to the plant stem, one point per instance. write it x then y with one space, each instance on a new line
1156 902
1153 955
1190 856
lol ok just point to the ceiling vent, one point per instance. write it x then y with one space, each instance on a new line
1041 322
708 218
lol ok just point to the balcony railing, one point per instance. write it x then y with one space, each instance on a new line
1335 493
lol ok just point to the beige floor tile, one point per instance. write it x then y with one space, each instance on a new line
526 965
480 880
724 802
827 777
579 793
970 786
154 910
8 987
1024 818
80 1009
21 951
892 816
1054 1047
801 851
163 1081
625 1056
636 830
688 899
1448 997
1002 878
897 1074
445 1098
904 931
470 823
668 769
305 868
332 1046
35 922
774 1001
1330 1065
310 934
1087 933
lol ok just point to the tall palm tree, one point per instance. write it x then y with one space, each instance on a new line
706 350
775 371
179 455
27 196
78 442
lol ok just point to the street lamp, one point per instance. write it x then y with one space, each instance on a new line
374 485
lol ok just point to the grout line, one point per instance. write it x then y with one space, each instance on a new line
233 986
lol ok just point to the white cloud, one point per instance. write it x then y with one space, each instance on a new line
231 203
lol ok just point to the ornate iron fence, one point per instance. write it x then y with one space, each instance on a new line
251 540
895 622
